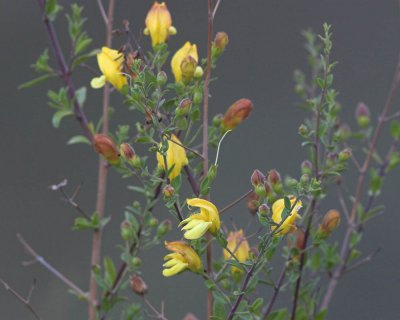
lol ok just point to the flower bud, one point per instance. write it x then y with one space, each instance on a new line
197 97
164 227
127 152
342 134
138 285
127 232
329 223
190 316
188 67
198 72
236 114
184 107
106 147
136 262
168 191
161 78
216 121
254 252
299 242
304 179
331 158
306 167
257 178
221 40
363 115
264 209
153 222
345 154
274 177
252 202
303 131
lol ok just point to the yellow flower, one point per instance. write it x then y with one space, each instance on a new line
237 243
176 156
184 63
199 223
159 24
110 62
182 258
289 223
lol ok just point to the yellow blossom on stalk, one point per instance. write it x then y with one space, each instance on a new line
199 223
159 24
289 223
176 157
183 257
110 62
238 245
184 63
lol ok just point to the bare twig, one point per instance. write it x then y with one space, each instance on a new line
277 289
234 202
359 263
102 12
25 301
50 268
192 181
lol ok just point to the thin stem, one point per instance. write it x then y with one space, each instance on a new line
50 268
235 202
192 181
187 148
206 90
24 301
102 11
277 289
65 73
102 178
337 273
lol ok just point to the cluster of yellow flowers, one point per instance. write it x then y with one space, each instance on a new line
159 28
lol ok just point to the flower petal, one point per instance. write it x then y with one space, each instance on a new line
198 231
98 82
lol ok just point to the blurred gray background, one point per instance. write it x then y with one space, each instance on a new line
265 47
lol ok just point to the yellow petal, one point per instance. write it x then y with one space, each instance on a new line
158 23
178 268
197 231
98 82
177 60
211 210
110 62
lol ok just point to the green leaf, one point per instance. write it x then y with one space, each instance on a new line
256 305
52 8
78 139
58 116
80 96
36 81
110 271
219 311
395 129
281 314
42 63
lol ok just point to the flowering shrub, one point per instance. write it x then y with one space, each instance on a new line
172 118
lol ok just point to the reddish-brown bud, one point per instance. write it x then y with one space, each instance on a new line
329 223
138 285
127 152
221 40
252 202
184 107
257 178
236 114
106 147
190 316
274 177
263 209
345 154
306 167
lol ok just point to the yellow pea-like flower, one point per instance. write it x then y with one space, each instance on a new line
199 223
289 223
183 257
176 157
110 62
184 63
159 24
239 246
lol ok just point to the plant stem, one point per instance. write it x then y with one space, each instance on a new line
277 289
345 248
205 142
65 72
235 202
102 178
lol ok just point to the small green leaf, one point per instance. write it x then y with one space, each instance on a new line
78 139
58 116
36 81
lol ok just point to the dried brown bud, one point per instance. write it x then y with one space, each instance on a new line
127 152
138 285
252 202
190 316
257 178
329 223
274 177
106 147
236 114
